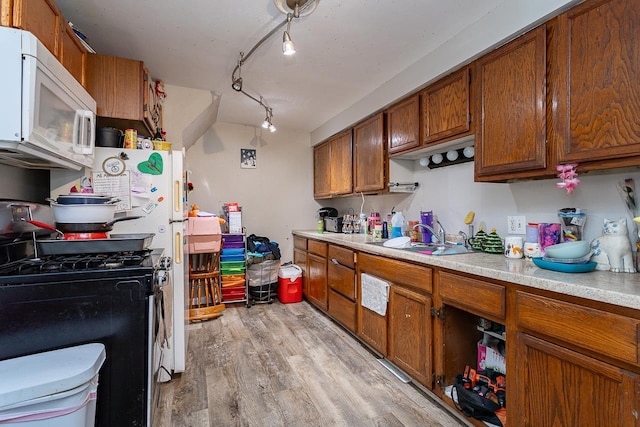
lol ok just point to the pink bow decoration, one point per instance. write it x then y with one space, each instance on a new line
569 177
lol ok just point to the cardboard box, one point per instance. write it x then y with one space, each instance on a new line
488 358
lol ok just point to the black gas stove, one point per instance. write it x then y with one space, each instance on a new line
57 301
19 264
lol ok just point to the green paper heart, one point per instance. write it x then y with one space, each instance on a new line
153 166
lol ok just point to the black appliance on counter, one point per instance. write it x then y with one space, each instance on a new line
56 301
332 222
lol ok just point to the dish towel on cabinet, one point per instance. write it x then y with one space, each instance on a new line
375 294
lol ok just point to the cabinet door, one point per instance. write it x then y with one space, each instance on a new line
446 108
317 280
321 171
72 54
555 386
42 18
300 259
510 137
341 164
370 160
410 333
595 83
403 125
117 86
151 104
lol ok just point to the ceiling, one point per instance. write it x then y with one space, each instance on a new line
346 49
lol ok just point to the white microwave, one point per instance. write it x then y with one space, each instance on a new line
47 119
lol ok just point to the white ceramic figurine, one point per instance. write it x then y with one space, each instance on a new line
612 251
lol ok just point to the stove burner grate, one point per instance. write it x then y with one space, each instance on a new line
66 263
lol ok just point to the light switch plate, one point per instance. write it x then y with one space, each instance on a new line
516 225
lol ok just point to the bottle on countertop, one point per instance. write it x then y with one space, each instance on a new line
396 224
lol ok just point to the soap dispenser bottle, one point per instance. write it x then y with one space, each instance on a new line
396 224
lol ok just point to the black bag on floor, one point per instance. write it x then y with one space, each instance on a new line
473 405
260 244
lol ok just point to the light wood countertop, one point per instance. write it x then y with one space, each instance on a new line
621 289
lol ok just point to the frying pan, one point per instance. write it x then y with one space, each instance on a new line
82 231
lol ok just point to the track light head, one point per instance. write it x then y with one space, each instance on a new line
237 84
287 45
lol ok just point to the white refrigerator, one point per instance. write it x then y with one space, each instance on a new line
152 184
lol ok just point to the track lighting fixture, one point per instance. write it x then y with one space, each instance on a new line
287 44
293 9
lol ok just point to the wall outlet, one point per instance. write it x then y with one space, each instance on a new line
516 225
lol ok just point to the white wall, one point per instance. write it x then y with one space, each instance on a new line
276 196
450 192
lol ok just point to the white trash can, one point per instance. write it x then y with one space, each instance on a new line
54 389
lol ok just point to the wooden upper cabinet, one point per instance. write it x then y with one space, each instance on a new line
403 125
510 83
117 85
40 17
332 167
120 87
73 54
446 108
595 84
321 170
370 162
341 164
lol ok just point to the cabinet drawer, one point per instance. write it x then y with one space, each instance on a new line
605 333
343 310
342 280
342 256
300 243
397 272
476 295
318 248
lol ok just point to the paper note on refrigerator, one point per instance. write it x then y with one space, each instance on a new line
114 186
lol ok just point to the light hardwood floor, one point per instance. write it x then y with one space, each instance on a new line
287 365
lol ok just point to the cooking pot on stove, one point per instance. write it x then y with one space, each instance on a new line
84 213
83 199
109 137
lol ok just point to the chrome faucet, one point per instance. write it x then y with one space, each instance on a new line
441 235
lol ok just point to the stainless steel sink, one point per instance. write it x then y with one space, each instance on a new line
430 249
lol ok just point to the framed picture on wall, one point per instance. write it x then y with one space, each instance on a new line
247 158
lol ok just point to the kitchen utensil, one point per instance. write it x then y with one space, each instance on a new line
565 268
548 234
83 199
398 242
575 249
83 213
532 250
513 247
580 260
115 243
90 227
109 137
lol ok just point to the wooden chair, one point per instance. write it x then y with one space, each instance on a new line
205 298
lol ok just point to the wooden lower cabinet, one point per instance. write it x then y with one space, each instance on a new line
559 387
409 327
300 259
341 278
570 362
317 282
404 334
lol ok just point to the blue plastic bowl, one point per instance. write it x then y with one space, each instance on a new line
568 250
